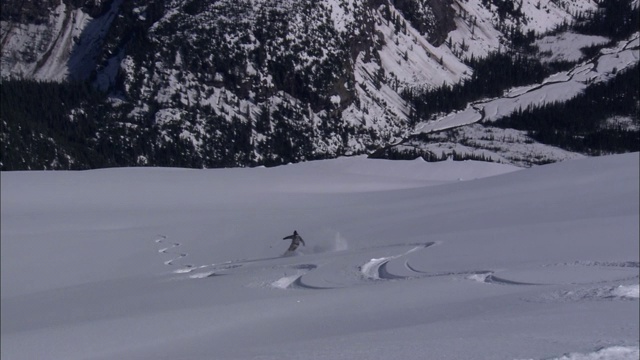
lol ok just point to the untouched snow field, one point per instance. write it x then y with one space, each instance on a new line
404 260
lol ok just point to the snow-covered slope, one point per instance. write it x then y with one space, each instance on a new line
403 259
470 129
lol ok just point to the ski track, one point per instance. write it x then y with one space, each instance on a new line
295 281
492 279
591 293
162 239
606 265
621 289
377 270
619 264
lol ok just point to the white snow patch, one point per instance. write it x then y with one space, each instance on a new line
480 277
285 282
609 353
600 293
627 291
183 271
202 275
370 268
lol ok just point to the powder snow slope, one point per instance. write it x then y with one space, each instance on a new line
404 259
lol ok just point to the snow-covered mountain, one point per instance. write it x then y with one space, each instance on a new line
228 83
470 131
53 40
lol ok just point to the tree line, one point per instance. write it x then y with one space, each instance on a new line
581 124
38 121
491 77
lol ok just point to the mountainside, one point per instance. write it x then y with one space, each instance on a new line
236 83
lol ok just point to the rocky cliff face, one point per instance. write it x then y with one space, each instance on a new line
52 40
245 82
38 12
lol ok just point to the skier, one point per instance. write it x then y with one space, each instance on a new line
295 241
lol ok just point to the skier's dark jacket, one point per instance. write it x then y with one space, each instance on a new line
295 241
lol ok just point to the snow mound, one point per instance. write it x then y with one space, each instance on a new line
620 292
627 291
610 353
202 275
285 282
